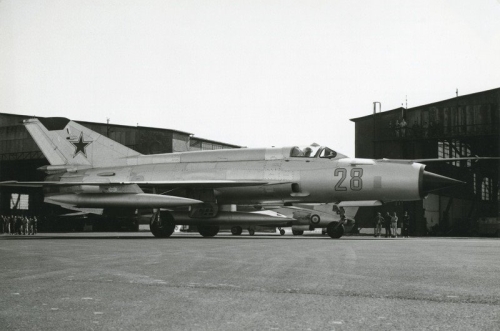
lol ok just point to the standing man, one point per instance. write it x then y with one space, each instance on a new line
405 227
25 225
29 225
35 224
7 224
13 228
19 225
394 225
378 225
387 225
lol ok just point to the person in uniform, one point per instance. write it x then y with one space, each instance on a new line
394 225
29 224
378 225
19 225
387 225
403 125
12 224
6 220
35 224
405 227
25 224
307 151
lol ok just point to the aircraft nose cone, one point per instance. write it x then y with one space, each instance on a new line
434 182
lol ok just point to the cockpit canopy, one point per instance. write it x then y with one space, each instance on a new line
314 151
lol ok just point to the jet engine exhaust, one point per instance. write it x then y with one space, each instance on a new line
433 182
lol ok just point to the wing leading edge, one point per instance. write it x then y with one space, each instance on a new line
162 183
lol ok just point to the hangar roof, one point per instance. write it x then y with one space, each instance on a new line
429 104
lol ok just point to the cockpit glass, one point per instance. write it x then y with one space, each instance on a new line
328 153
305 151
313 151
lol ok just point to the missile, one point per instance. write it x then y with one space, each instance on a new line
234 218
139 200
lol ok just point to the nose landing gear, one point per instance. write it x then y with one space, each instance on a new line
335 230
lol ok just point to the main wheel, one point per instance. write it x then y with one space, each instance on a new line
335 230
208 230
236 230
297 232
162 226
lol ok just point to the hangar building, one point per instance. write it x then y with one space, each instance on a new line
463 126
20 157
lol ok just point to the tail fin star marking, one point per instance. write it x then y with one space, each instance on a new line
80 146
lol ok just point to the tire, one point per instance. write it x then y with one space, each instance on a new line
236 230
334 230
282 232
208 230
162 226
297 232
251 231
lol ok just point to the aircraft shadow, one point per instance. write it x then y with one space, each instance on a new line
101 236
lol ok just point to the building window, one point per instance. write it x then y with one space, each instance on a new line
206 146
454 149
19 201
443 150
474 182
486 189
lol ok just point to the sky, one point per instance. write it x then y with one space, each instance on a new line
251 73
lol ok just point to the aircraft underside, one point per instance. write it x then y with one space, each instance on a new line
163 223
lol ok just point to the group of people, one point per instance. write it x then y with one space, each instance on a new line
17 224
401 129
390 223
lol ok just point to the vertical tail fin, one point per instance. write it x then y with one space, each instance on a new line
64 142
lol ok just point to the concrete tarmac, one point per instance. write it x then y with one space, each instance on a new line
132 281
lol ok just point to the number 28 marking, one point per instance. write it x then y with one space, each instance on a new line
356 182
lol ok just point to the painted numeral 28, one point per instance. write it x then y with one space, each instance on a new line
356 182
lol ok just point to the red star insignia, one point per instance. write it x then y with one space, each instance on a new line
80 146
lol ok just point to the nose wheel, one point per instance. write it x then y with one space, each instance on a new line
282 232
335 230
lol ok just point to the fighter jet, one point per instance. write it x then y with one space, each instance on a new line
91 173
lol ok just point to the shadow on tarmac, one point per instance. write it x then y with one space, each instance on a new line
193 236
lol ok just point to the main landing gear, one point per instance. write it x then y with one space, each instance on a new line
162 224
236 230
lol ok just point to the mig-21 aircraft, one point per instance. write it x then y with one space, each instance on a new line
91 173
